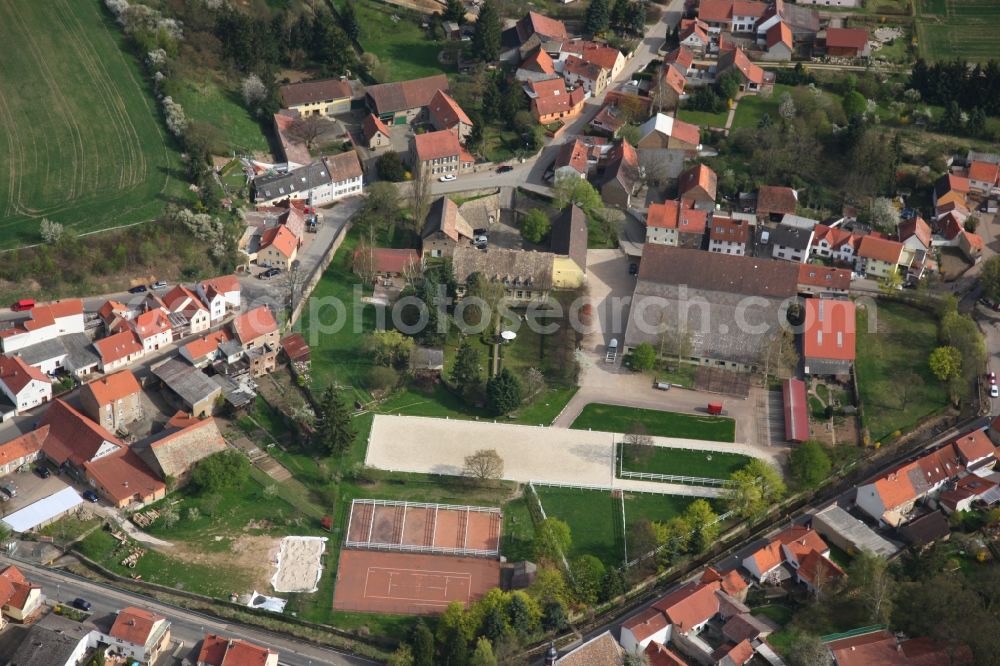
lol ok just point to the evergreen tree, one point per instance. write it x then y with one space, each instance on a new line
503 392
554 616
486 38
467 373
422 641
483 655
636 17
455 649
454 10
334 430
951 121
619 14
349 21
491 99
598 17
977 122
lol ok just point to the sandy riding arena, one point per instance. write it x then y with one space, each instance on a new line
299 564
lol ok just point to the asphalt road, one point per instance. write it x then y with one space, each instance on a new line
186 626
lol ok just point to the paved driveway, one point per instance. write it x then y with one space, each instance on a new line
530 453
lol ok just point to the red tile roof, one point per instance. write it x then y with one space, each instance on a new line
830 329
732 582
388 260
675 80
853 38
814 567
773 199
153 322
916 227
682 56
295 347
701 176
15 374
822 276
715 11
984 171
372 125
111 309
749 8
343 166
436 145
598 54
573 154
801 540
662 215
691 221
72 436
118 346
223 284
880 249
446 112
940 465
796 404
281 239
658 654
646 623
23 445
739 60
254 324
220 651
182 299
552 97
779 33
895 488
405 95
124 475
726 230
539 61
691 605
208 344
112 388
974 445
739 654
310 92
134 625
549 28
835 236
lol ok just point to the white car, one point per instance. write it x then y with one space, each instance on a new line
447 178
994 391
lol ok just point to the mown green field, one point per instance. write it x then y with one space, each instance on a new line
615 418
82 142
948 29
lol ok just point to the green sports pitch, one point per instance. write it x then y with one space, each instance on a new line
82 143
948 29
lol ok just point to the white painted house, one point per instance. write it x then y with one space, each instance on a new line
220 295
45 322
24 386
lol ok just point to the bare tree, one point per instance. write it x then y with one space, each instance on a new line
364 262
639 441
660 95
309 128
483 465
420 195
294 279
779 355
910 384
534 384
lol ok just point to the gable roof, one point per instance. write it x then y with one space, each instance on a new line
576 66
254 323
681 56
823 276
728 230
134 625
701 176
984 171
569 235
389 260
539 61
674 79
895 488
150 323
973 446
112 388
671 127
715 11
925 529
548 28
573 154
182 443
15 374
853 38
72 436
796 408
880 249
311 92
445 217
405 95
207 344
710 271
737 59
446 112
372 125
915 226
223 284
734 655
219 651
732 583
281 239
830 329
118 346
622 166
123 475
343 166
691 605
519 268
645 624
949 182
835 237
436 145
182 299
773 199
23 445
779 33
552 97
658 654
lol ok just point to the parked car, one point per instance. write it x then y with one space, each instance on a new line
504 168
269 273
9 490
448 177
160 284
994 391
663 386
90 496
992 376
81 604
141 289
633 269
43 471
23 304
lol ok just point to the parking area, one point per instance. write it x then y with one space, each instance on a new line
610 290
30 488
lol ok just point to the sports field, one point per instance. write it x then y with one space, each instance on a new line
81 141
948 29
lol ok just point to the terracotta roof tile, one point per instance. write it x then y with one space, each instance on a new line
118 346
691 605
72 436
112 388
854 38
22 446
405 95
830 329
446 112
974 445
880 249
207 344
371 125
772 199
254 324
124 475
134 625
436 145
153 322
984 171
15 374
700 176
822 276
281 239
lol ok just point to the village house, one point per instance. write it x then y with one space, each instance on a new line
204 350
73 439
878 257
24 386
376 134
221 651
881 646
728 236
381 263
71 353
674 223
621 176
916 236
153 329
550 100
984 177
773 203
828 336
45 322
123 479
752 79
115 316
138 634
324 97
537 66
20 600
113 401
533 29
444 230
278 248
778 43
182 301
669 89
118 350
257 332
404 102
220 295
568 243
694 35
835 243
847 43
803 23
319 183
667 133
816 280
606 57
952 233
790 243
581 73
804 553
526 276
969 491
183 442
573 160
22 450
698 184
439 153
951 196
446 114
292 149
603 650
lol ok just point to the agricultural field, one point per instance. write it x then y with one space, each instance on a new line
613 418
948 29
887 357
82 139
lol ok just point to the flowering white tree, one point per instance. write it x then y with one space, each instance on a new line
177 122
254 90
51 231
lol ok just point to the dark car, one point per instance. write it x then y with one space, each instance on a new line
43 471
138 290
478 232
504 168
269 273
633 269
82 604
90 496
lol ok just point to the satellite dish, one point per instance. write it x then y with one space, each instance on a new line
508 335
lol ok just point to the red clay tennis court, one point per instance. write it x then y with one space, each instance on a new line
409 583
426 528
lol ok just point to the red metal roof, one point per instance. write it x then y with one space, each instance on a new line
793 392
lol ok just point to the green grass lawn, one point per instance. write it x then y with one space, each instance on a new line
703 118
210 102
401 45
682 462
518 531
777 613
595 517
903 341
612 418
82 141
750 109
966 29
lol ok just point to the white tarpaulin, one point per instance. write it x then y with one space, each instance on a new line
44 510
273 604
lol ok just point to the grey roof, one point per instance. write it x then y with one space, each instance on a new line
482 211
802 21
192 385
43 351
976 156
514 268
230 348
569 235
81 351
835 520
273 186
722 325
425 358
788 236
235 393
827 366
41 646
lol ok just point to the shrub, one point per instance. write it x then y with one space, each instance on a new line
381 378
